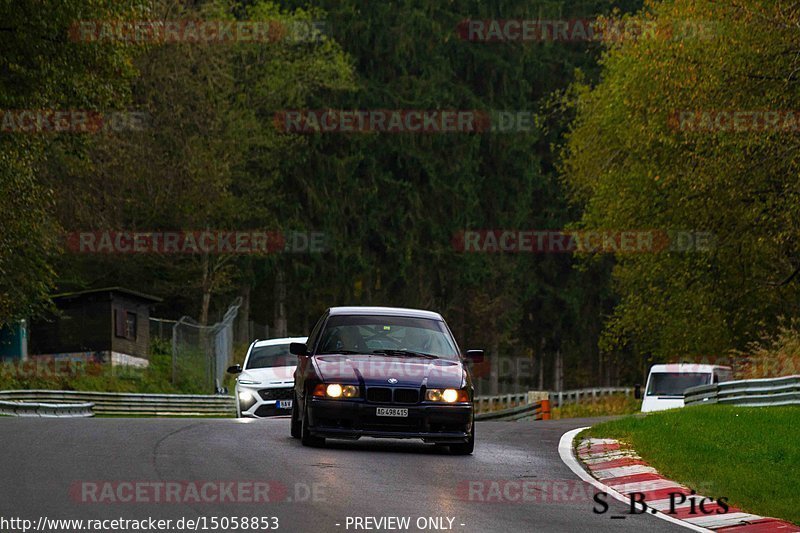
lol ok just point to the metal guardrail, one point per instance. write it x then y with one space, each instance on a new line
508 404
503 407
116 403
559 399
47 410
485 404
748 392
534 411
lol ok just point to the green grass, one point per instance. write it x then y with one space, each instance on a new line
156 378
750 455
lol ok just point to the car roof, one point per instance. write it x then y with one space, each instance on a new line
686 367
282 340
384 311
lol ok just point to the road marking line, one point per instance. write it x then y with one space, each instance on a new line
567 456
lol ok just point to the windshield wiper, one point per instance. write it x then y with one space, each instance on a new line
405 353
339 352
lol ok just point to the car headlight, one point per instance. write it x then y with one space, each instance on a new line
335 390
447 395
245 396
247 382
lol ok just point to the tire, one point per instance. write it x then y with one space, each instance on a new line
305 436
296 429
467 447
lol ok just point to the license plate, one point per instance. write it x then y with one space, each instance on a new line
284 404
390 411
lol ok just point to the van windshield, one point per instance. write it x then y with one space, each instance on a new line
675 383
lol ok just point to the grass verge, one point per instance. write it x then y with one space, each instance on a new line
604 406
750 455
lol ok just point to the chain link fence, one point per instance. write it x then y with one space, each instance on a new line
201 354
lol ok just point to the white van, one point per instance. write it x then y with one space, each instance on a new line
666 384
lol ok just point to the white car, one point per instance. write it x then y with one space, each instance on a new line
667 384
266 382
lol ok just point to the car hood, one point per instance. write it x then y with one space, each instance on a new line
379 369
277 375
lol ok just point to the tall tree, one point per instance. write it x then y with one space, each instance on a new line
648 150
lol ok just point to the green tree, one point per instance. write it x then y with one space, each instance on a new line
630 165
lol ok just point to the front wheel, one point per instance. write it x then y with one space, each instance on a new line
295 426
305 435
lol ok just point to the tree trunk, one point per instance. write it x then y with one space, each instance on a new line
206 287
541 366
243 333
280 325
558 372
494 376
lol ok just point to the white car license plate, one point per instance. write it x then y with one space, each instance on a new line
390 411
284 404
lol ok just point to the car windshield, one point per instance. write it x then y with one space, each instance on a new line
271 356
675 383
387 335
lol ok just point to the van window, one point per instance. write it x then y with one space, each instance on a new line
675 383
724 374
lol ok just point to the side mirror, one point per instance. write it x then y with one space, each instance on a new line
235 369
298 348
637 391
475 356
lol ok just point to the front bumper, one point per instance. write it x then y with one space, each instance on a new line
257 407
353 419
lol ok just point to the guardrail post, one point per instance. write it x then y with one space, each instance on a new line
545 409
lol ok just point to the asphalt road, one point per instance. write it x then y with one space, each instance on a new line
57 468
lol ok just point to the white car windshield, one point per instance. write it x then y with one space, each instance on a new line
270 356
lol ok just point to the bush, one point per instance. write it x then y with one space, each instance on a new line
772 356
617 404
